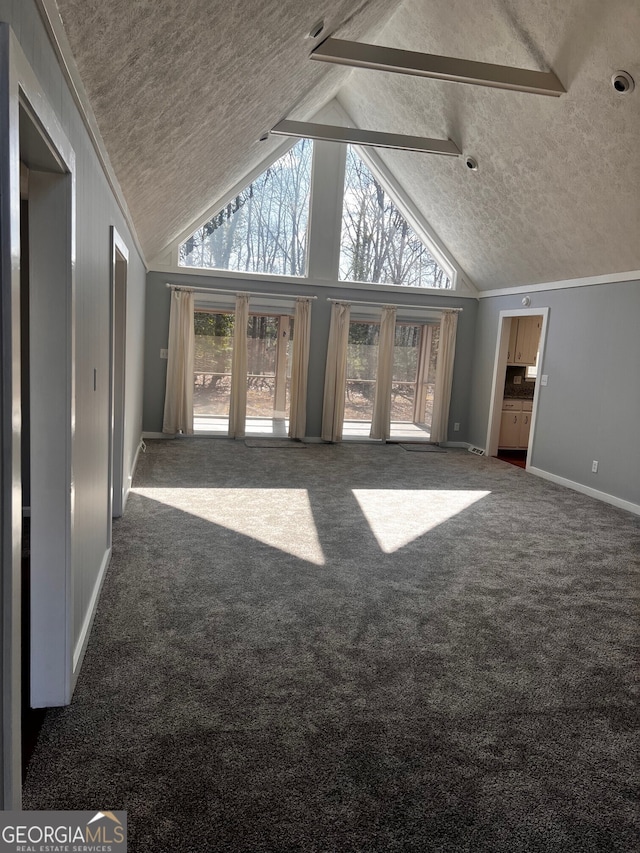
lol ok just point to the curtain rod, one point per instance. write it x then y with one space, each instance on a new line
236 292
391 305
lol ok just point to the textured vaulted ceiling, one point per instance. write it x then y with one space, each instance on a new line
182 91
557 192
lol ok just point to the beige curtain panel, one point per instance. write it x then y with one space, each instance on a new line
444 375
300 368
238 401
381 420
178 398
335 378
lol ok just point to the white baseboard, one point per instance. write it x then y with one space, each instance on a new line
464 444
586 490
83 639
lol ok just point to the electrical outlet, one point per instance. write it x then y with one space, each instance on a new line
544 379
164 353
456 427
594 466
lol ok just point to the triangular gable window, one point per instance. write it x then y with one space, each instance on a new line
264 228
377 244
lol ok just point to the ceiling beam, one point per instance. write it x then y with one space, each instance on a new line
373 56
358 136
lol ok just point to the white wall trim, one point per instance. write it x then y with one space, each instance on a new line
60 43
586 490
588 281
226 276
85 631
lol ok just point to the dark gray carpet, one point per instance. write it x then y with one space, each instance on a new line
356 649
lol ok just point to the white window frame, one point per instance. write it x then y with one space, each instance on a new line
398 197
217 208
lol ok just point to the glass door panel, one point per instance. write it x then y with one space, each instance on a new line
406 351
262 339
362 365
268 366
427 374
212 364
431 374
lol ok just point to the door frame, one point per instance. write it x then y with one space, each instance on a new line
117 375
499 373
52 607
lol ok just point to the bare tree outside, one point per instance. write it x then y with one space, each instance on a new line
264 228
378 245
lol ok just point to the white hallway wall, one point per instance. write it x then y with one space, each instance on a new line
96 211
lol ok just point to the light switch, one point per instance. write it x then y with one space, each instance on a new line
544 379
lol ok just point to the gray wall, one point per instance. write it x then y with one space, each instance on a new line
96 211
157 327
590 409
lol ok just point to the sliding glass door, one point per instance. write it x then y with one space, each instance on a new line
269 347
414 359
414 374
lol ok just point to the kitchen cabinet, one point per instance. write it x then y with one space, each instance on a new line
524 338
525 429
515 424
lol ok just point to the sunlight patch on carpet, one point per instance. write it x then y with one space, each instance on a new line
398 516
281 518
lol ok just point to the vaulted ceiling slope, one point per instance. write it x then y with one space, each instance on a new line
182 92
557 191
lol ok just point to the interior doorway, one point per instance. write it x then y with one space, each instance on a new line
119 263
38 300
31 718
517 377
46 405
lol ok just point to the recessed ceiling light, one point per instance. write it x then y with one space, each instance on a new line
623 82
316 30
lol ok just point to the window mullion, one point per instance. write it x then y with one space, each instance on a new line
325 218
